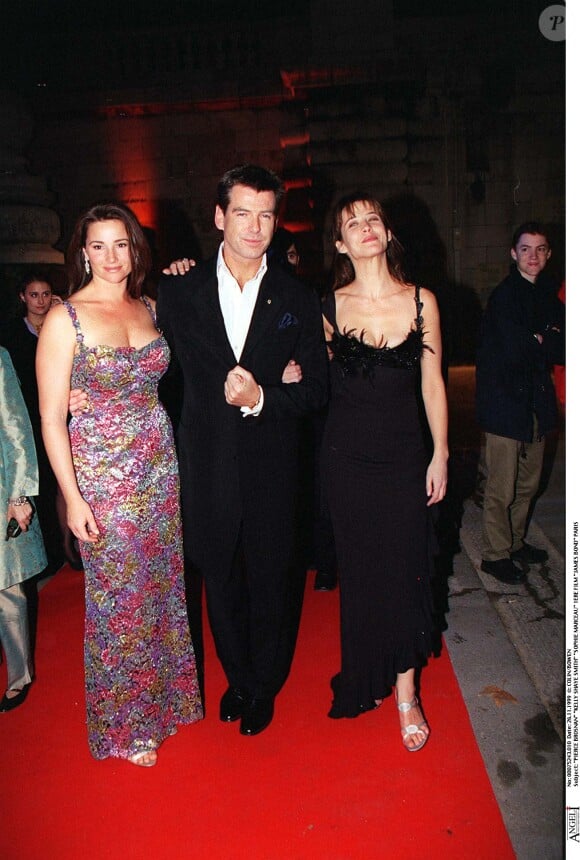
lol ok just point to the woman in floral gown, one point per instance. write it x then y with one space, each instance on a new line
117 469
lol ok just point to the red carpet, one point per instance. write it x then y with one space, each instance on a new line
308 787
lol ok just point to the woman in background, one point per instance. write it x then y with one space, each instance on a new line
20 337
117 470
22 553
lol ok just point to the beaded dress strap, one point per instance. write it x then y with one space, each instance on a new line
419 305
75 321
149 307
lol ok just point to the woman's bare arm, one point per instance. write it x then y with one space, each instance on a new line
435 399
54 361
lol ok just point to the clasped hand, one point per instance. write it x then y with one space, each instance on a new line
240 388
79 401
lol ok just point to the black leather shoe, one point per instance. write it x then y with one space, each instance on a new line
503 569
529 554
232 705
257 716
9 704
324 581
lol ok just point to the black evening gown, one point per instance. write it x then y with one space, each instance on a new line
374 467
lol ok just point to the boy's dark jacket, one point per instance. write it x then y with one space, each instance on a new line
513 370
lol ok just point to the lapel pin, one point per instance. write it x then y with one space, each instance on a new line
269 301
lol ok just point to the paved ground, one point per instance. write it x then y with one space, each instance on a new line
507 643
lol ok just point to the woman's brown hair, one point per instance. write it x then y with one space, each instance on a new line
138 247
343 269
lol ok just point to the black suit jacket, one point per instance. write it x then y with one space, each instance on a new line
232 468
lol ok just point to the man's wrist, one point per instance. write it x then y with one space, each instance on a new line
257 407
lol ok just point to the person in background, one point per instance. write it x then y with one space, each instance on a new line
117 469
22 553
384 341
283 251
20 337
522 336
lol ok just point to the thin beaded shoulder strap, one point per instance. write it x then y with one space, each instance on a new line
75 321
419 305
149 307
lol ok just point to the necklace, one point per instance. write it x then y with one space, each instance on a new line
34 325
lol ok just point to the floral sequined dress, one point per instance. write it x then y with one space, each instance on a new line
140 672
374 463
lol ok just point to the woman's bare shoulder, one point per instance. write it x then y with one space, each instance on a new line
58 326
80 297
57 315
426 294
347 290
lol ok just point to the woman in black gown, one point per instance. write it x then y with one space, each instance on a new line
385 347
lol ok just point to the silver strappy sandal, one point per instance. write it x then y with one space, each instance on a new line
413 729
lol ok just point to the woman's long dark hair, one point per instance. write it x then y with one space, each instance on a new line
138 247
343 269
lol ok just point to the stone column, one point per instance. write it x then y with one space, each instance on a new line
29 228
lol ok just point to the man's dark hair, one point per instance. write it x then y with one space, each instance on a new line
534 228
253 176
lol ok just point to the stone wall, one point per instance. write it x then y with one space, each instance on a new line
439 117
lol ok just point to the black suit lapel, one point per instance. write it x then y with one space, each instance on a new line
268 307
212 329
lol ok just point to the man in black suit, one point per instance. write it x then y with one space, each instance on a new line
233 324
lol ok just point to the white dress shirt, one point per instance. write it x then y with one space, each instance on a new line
237 307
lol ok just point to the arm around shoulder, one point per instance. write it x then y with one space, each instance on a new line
311 393
170 292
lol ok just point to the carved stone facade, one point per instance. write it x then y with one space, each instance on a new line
445 118
29 228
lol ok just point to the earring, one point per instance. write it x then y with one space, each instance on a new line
87 266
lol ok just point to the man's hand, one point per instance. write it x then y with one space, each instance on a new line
240 388
179 267
78 401
292 372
